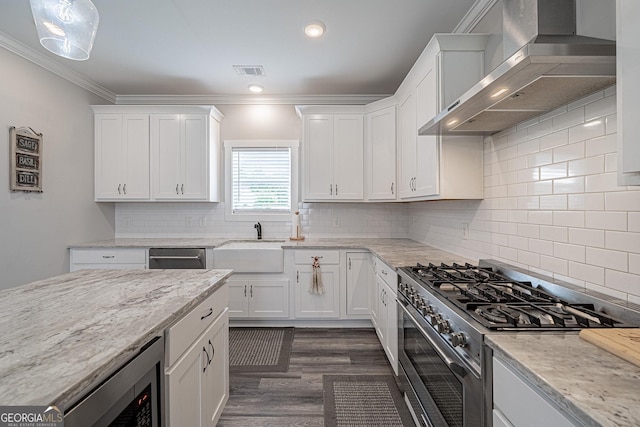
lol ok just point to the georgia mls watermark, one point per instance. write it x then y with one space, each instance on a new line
31 416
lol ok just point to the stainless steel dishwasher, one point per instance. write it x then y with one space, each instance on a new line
177 258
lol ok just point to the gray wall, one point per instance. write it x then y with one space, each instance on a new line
35 229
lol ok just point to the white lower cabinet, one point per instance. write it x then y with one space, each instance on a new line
518 403
309 305
384 312
108 258
258 297
359 279
197 372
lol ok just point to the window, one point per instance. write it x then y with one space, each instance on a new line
261 179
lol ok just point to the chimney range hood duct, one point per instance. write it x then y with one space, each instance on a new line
548 66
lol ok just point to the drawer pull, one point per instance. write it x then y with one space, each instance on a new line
108 256
383 272
207 315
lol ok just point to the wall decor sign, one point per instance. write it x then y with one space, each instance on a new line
26 159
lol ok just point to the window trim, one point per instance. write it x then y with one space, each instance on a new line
229 145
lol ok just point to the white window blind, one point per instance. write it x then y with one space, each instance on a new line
261 180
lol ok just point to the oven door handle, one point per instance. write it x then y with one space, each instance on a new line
456 368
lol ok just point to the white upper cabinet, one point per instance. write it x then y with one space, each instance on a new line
121 157
184 151
627 91
156 153
380 151
434 167
333 153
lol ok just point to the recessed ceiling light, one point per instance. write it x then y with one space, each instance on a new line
255 88
314 29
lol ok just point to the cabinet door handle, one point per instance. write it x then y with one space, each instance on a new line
119 185
124 189
245 291
336 189
208 359
177 188
392 188
213 352
182 189
331 189
297 276
251 291
349 263
208 314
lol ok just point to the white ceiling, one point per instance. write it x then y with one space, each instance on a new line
188 47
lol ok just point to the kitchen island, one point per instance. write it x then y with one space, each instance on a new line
61 336
588 383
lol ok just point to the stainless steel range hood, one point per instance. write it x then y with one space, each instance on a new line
548 66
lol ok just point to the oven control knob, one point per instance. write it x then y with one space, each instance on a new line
458 339
443 326
435 319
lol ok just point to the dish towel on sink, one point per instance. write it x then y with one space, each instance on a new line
316 278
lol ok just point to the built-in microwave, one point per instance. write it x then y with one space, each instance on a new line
130 397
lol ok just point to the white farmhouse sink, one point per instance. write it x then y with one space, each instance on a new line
250 256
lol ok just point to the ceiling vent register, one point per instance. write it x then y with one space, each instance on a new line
250 70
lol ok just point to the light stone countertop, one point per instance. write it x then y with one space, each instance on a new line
59 336
395 252
593 385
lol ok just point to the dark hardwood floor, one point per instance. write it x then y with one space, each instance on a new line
295 398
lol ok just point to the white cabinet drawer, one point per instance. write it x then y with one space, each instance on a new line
387 273
184 333
109 256
326 256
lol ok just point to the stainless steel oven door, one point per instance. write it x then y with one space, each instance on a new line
446 390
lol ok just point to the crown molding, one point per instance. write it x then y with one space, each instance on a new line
28 53
474 15
248 99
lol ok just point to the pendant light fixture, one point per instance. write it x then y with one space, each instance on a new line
66 27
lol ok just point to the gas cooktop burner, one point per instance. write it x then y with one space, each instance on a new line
498 302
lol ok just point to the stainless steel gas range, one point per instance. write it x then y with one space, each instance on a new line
446 310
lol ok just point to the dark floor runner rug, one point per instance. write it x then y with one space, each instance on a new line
259 349
364 401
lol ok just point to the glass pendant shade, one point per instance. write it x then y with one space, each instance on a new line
66 27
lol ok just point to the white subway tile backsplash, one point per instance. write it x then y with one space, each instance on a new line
586 202
517 164
588 273
623 282
607 258
530 259
539 159
634 263
586 237
634 221
611 162
611 124
540 217
587 130
529 230
606 220
607 291
553 233
556 170
589 99
528 174
568 152
551 114
569 252
554 202
600 108
601 145
623 241
586 166
543 247
539 129
568 119
622 201
527 202
539 188
555 139
569 218
602 182
554 265
568 185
